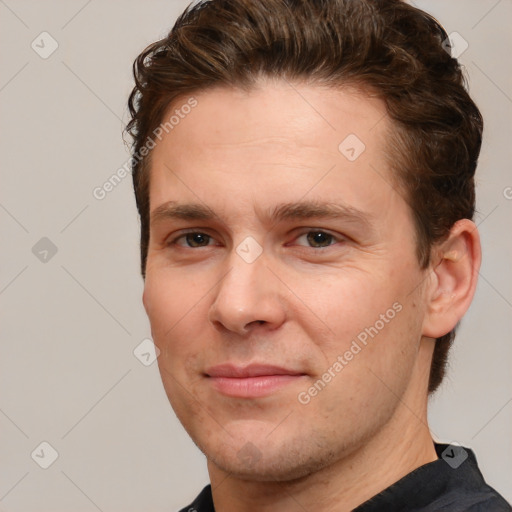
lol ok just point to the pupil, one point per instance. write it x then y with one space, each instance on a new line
195 239
317 237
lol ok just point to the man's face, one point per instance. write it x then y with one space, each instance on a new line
331 302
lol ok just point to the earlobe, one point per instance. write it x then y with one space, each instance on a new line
455 267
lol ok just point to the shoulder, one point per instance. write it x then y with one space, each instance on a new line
466 489
489 501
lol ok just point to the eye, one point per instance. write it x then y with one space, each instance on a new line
318 239
192 239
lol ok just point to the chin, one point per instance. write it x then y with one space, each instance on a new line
274 464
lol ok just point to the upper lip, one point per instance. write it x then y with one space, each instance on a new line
253 370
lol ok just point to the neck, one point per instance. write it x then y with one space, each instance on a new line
401 446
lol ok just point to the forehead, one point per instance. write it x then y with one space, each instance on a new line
277 110
278 138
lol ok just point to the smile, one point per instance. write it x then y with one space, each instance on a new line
252 381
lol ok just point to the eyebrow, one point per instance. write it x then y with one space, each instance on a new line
315 209
301 210
174 210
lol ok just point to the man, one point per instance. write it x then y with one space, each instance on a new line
304 175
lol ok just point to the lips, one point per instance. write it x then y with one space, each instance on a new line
253 381
253 370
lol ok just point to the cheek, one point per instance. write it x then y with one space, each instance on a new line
173 307
372 362
171 304
348 301
369 316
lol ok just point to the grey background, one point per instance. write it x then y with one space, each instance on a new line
70 324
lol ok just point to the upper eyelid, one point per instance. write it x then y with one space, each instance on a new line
173 238
321 230
337 237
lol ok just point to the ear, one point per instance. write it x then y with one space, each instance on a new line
454 274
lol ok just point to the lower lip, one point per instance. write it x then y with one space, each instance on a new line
252 387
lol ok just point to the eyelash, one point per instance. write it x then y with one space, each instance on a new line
335 238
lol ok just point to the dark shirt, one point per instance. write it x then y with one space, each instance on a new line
452 483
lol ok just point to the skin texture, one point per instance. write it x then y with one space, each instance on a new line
298 305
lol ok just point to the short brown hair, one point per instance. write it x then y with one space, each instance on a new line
385 46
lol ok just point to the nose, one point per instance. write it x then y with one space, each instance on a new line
249 295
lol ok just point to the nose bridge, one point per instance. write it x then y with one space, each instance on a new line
248 292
